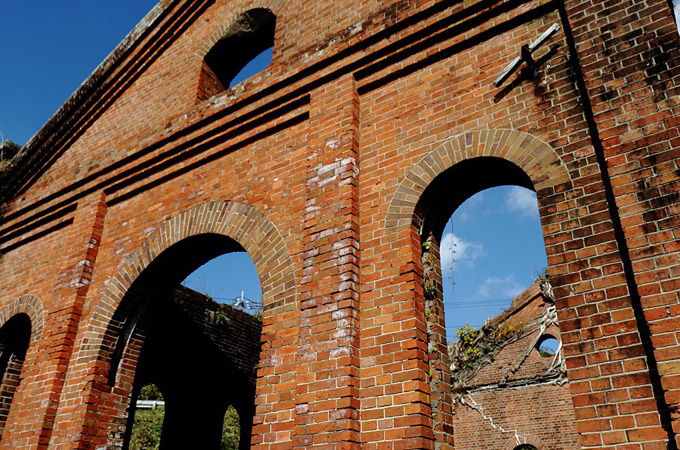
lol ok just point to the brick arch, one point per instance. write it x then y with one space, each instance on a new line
10 378
518 440
275 6
536 158
239 221
525 160
31 306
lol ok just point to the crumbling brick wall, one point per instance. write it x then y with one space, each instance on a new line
515 395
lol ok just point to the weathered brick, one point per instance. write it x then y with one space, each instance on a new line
331 168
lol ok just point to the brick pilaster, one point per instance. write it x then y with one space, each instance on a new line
80 243
327 408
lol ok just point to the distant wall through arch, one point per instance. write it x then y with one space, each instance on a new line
239 222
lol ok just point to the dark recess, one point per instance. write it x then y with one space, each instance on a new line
250 35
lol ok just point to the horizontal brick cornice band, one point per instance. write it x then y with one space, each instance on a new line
536 158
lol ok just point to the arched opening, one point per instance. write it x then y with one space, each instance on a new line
231 430
492 369
492 250
147 418
15 336
201 354
243 50
525 447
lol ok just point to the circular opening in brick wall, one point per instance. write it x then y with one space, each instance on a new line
525 447
547 346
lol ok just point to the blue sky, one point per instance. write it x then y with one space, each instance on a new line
48 48
492 249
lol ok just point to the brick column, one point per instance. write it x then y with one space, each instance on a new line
327 405
439 369
396 404
40 409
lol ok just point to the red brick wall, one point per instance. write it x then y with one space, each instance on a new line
539 415
516 396
374 121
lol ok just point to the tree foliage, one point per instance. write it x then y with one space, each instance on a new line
231 430
148 423
146 429
150 392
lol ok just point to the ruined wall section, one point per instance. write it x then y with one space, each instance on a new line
512 344
515 395
235 333
505 419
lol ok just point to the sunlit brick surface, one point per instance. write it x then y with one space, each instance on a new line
331 168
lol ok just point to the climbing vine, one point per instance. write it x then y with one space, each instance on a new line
475 348
430 292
